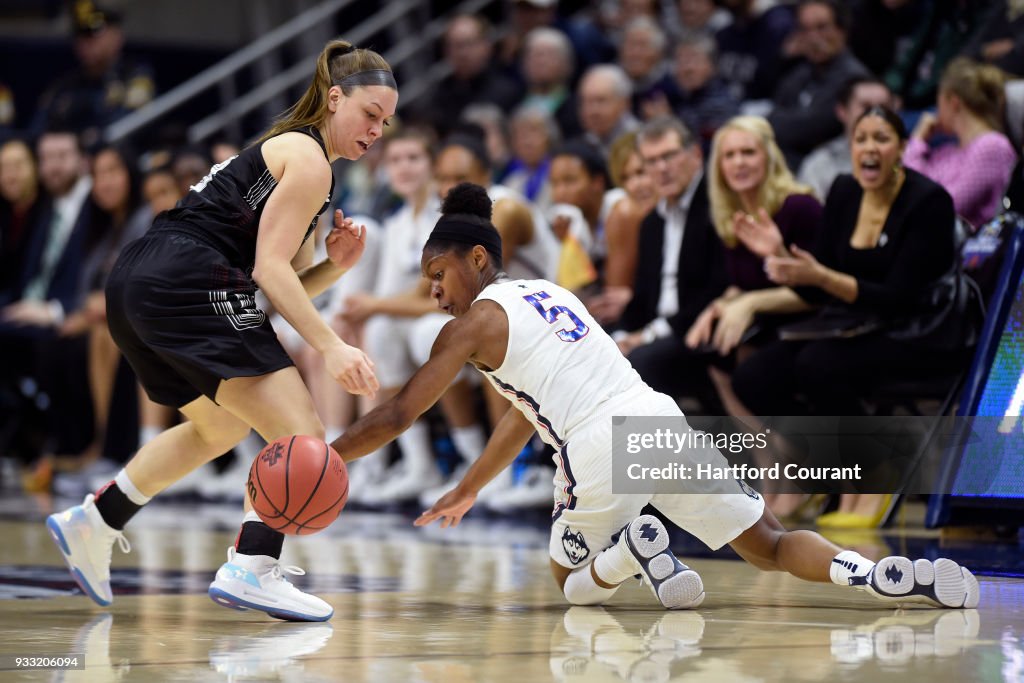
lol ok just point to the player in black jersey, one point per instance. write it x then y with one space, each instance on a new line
180 304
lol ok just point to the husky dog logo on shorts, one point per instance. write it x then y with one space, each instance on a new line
747 490
575 547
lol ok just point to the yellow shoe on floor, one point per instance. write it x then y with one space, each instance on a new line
850 520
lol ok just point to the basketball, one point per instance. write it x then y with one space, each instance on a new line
298 485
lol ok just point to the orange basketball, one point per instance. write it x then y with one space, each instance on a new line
298 485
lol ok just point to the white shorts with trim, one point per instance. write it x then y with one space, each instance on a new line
587 513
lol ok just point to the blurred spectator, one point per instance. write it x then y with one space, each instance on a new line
534 134
581 201
944 29
362 188
680 266
642 57
1000 40
831 159
803 111
615 16
749 49
468 50
20 206
223 149
491 120
888 237
589 44
7 110
104 87
605 94
976 169
622 229
547 67
160 190
119 216
701 16
700 98
881 30
189 165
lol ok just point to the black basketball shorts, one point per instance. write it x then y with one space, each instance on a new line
185 318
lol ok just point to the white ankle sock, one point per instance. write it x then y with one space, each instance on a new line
129 490
469 441
581 589
251 516
415 445
616 564
848 564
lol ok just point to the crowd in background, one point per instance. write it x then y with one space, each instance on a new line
715 180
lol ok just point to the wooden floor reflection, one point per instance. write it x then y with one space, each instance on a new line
476 605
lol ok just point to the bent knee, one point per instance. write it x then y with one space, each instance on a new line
222 433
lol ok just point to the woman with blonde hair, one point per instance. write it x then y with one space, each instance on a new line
976 169
181 306
750 190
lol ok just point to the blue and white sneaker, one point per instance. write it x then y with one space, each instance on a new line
942 583
257 582
86 542
675 585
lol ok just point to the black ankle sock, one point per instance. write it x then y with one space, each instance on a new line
114 506
256 538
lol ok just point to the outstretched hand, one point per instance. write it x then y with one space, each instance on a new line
345 242
758 233
450 509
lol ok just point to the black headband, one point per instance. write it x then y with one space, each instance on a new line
369 77
466 228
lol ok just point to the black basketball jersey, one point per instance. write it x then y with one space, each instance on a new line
224 208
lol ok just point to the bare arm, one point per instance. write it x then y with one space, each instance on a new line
511 434
514 223
622 230
478 335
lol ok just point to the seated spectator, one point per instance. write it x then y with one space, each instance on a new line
749 49
749 184
1000 39
119 217
21 202
680 264
701 99
888 237
622 229
803 107
468 50
942 32
880 29
589 43
976 169
491 120
820 168
642 56
580 192
104 86
605 105
701 16
534 135
547 65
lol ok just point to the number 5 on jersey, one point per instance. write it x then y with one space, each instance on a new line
552 314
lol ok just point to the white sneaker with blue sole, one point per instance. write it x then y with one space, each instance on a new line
942 583
257 582
86 543
675 585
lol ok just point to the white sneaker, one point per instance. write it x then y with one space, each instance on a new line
86 542
494 487
535 489
403 486
675 585
257 582
365 475
269 652
942 583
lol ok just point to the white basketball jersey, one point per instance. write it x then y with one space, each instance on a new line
560 366
539 258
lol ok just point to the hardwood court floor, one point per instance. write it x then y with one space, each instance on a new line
469 604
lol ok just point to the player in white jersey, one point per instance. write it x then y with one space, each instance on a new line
536 342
